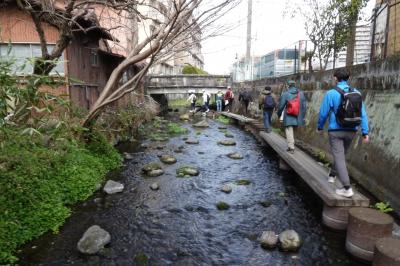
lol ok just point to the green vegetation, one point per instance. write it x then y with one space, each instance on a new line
383 207
161 130
224 120
266 203
41 177
189 69
48 161
222 206
186 171
242 182
277 131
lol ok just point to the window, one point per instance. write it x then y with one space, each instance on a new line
20 52
94 58
288 54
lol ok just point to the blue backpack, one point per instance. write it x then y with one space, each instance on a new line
269 102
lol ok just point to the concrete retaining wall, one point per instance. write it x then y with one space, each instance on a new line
376 165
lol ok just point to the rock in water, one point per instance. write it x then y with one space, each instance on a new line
155 186
289 240
269 239
93 240
128 156
202 124
113 187
229 135
168 159
187 171
227 142
235 156
222 128
192 141
152 169
223 206
227 189
184 117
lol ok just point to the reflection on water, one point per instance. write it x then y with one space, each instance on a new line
180 224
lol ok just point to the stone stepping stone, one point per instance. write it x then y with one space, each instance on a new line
235 155
202 124
168 159
269 239
93 240
222 128
226 189
113 187
186 171
223 206
184 117
192 141
227 142
289 240
153 169
128 156
229 135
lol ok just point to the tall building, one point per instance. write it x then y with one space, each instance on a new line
362 48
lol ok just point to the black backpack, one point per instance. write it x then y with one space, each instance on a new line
349 111
269 102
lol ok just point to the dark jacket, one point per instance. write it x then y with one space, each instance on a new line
289 120
261 98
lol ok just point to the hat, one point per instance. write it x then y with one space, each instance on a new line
291 82
267 88
229 87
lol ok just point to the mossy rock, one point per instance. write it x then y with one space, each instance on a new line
235 155
153 169
185 171
202 124
141 259
242 182
229 135
168 159
192 141
223 206
265 203
222 128
184 117
227 142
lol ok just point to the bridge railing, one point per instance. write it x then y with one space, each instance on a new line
183 83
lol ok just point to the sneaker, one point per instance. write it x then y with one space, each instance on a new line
345 192
331 179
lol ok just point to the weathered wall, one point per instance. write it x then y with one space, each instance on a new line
375 165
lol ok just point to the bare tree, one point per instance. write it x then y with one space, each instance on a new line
167 22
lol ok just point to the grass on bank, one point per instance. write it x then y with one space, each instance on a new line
39 179
224 120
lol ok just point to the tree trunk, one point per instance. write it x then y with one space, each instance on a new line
351 43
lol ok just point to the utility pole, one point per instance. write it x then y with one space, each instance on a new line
248 39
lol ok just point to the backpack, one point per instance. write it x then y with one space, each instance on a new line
208 97
293 106
349 111
194 98
269 102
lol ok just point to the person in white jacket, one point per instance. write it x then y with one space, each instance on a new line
206 100
192 99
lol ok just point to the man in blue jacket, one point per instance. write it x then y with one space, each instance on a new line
290 121
340 137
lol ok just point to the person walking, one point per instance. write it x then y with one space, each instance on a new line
267 103
192 99
292 105
228 97
206 100
220 97
344 108
245 99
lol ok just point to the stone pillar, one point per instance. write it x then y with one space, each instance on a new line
387 252
365 227
335 217
283 165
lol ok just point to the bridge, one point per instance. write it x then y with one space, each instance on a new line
177 84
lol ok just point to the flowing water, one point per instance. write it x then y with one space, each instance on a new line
180 224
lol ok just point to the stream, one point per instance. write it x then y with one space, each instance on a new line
180 225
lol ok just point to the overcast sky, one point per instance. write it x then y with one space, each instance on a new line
270 31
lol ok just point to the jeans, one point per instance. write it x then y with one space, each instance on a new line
219 105
267 120
340 142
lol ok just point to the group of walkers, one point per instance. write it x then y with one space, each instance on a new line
342 107
223 101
